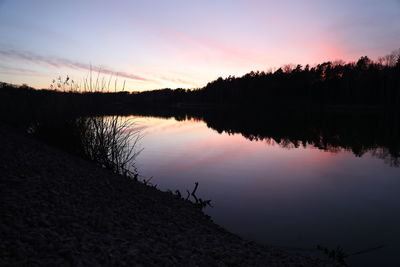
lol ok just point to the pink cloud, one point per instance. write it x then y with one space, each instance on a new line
206 48
62 62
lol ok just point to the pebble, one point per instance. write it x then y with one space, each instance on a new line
69 212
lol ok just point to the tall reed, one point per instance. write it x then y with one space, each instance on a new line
110 141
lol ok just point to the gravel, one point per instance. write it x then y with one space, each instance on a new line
60 210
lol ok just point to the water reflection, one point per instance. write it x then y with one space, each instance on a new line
294 179
377 132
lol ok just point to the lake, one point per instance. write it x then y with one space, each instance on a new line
285 180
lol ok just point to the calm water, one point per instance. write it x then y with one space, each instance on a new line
282 192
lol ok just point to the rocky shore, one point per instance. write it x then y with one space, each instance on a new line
60 210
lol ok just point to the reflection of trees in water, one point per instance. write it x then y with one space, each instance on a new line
384 153
379 152
377 133
360 133
288 144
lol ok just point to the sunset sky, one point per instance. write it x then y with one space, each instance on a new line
157 44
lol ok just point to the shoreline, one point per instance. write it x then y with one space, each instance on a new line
59 209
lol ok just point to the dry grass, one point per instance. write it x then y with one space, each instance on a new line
111 142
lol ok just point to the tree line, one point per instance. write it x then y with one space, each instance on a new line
362 83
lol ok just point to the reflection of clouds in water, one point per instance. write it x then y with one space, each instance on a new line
308 190
212 150
339 132
150 125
